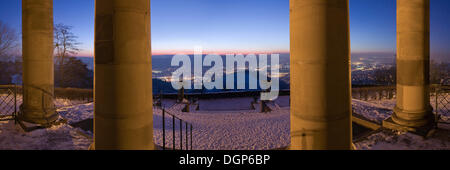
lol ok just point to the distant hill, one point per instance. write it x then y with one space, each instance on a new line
162 62
89 61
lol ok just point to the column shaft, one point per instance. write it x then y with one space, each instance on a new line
37 46
320 74
413 59
123 77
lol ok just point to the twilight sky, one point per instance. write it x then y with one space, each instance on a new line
242 25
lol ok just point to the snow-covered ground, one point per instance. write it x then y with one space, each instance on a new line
241 103
283 101
378 111
219 129
390 140
228 130
7 103
445 115
62 137
74 114
372 111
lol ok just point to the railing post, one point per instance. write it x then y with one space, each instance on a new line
191 136
15 101
173 131
164 129
186 129
181 134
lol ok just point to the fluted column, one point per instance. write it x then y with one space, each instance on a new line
413 107
320 74
37 50
123 77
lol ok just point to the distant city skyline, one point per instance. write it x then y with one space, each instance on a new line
242 26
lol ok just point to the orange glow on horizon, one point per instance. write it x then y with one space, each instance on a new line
219 52
205 52
224 52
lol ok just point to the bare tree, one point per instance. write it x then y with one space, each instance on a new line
66 44
8 40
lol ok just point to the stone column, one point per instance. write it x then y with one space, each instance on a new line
413 107
123 75
320 74
37 50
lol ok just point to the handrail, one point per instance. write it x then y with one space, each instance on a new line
187 124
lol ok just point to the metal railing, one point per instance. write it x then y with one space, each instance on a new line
188 128
381 92
374 93
442 100
62 96
11 97
440 93
8 102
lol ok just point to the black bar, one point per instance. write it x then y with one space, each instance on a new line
173 131
191 136
181 134
164 129
186 129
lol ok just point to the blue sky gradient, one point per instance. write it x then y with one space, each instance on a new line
242 25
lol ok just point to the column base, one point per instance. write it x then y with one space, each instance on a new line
413 118
421 131
29 127
40 117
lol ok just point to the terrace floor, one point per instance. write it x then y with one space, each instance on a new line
233 127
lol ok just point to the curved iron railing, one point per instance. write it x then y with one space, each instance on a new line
8 102
188 129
